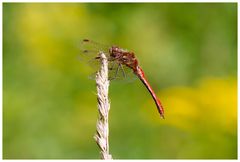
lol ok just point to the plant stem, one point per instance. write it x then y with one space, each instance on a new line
102 84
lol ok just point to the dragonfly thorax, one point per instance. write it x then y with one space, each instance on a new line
116 52
123 57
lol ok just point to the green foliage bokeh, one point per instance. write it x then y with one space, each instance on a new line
187 50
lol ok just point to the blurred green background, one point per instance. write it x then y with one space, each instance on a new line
187 50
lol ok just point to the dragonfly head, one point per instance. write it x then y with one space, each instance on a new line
114 51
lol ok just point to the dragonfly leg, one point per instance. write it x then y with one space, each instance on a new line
111 68
117 70
124 75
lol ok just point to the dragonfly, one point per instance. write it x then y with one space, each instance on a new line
120 60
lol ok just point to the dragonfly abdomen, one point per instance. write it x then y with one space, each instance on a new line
142 77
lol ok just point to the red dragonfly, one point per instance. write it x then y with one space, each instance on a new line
122 59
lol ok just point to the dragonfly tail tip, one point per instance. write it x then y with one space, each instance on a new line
162 116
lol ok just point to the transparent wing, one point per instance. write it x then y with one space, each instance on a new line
120 72
117 73
89 51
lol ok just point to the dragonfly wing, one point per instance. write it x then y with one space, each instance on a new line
89 53
120 72
93 47
128 75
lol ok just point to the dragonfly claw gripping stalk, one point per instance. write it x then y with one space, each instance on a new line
102 84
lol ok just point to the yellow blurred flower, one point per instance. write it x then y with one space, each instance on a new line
210 106
48 32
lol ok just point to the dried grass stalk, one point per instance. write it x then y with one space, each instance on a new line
102 133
